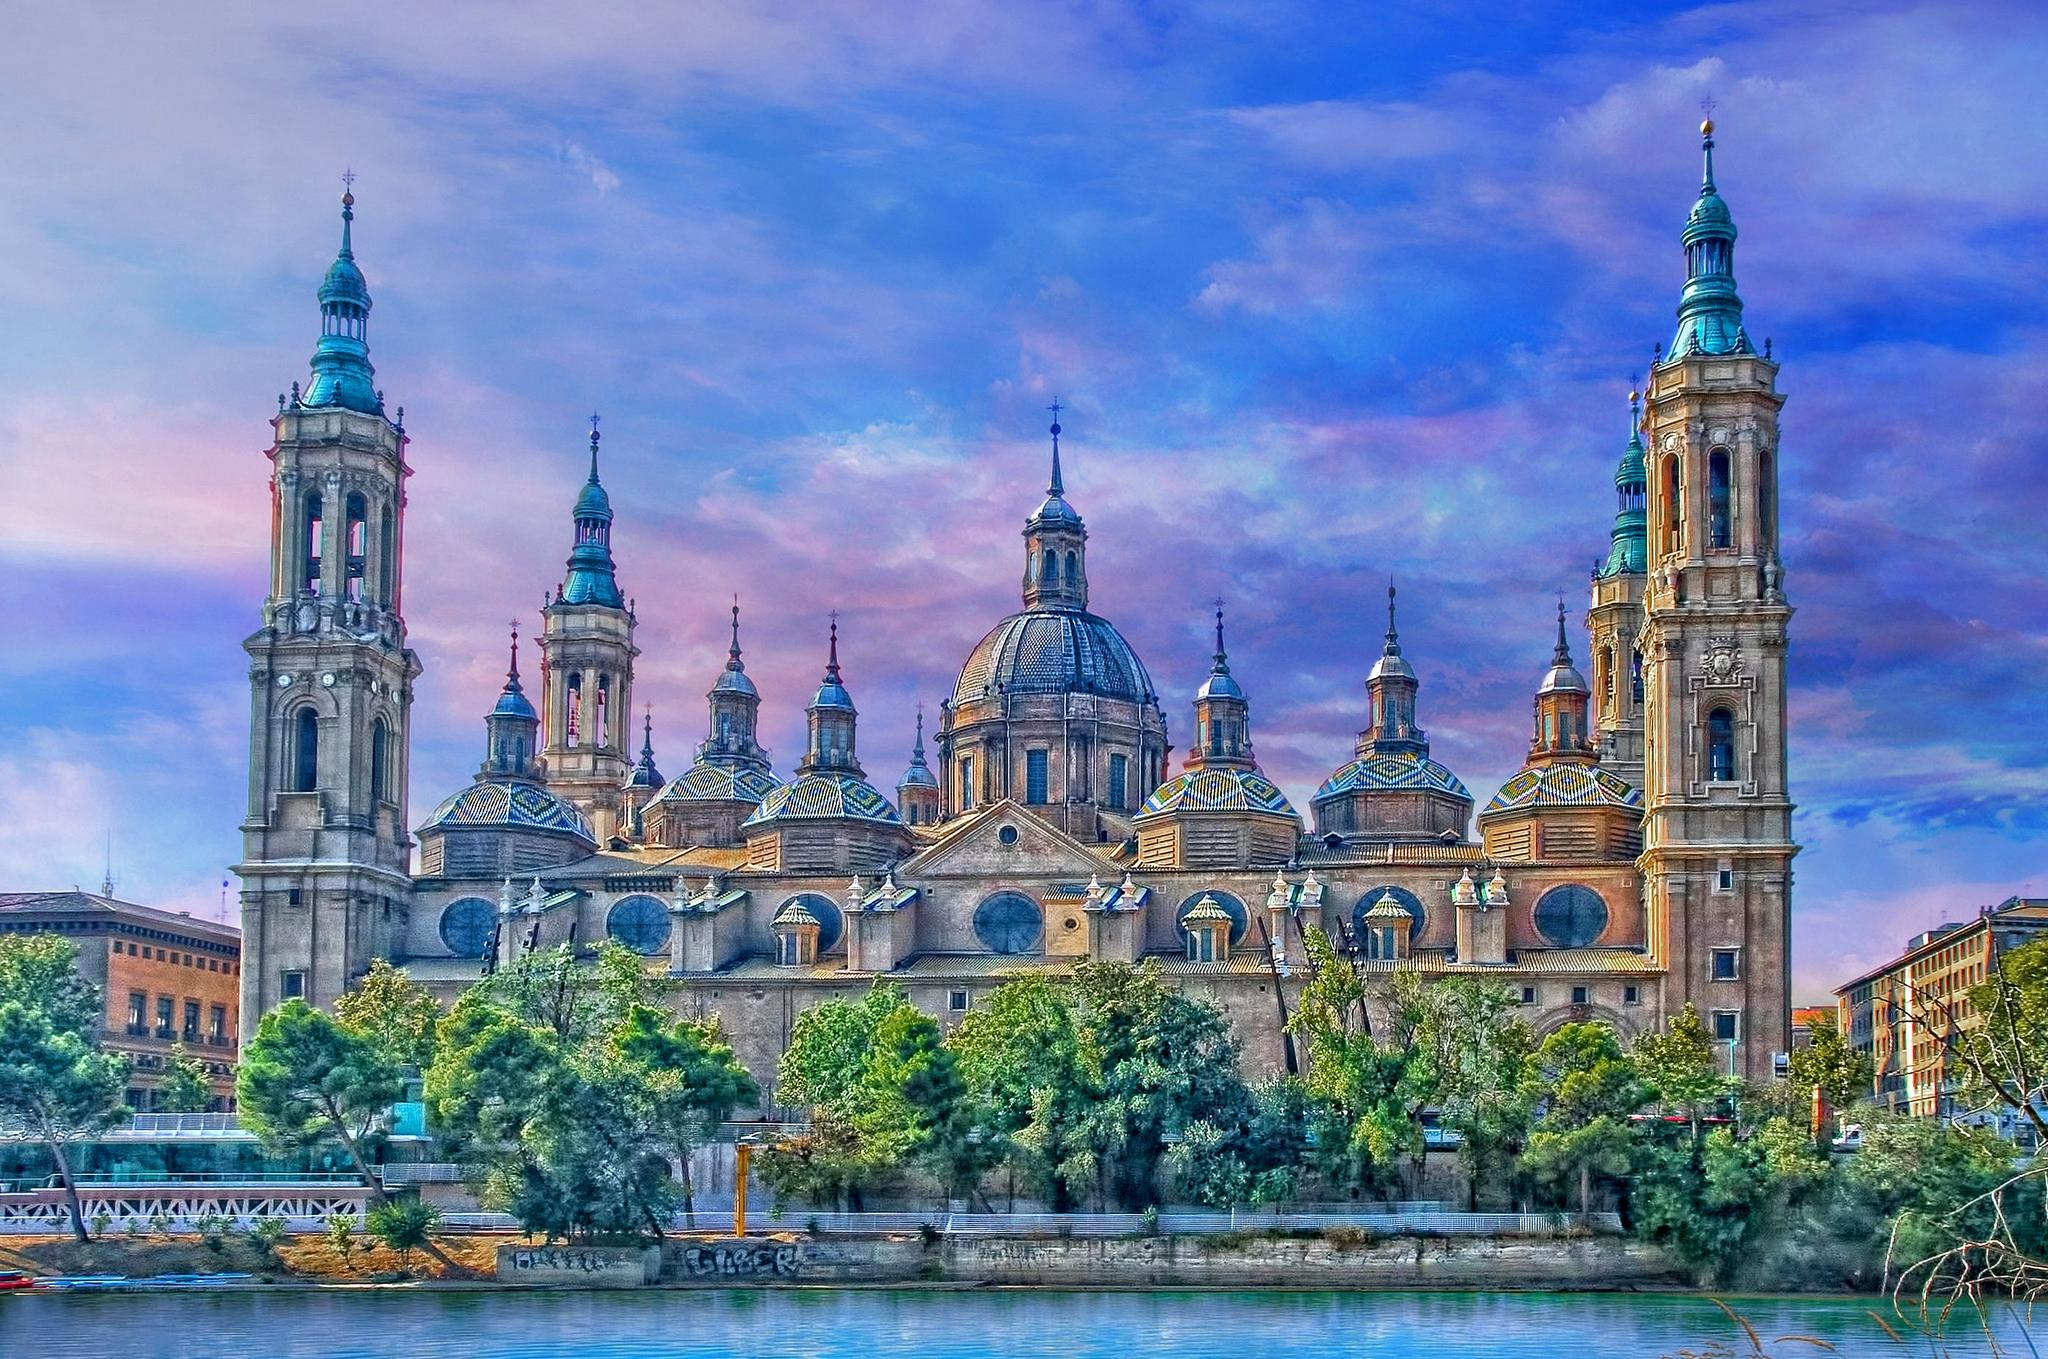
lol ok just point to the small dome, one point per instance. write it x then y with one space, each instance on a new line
1394 665
1710 211
1208 908
919 775
1564 785
825 797
1389 909
519 806
345 283
735 681
832 694
793 914
1056 510
593 503
1220 684
513 703
1046 651
719 783
1563 679
1218 790
1394 770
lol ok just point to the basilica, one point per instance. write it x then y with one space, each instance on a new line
1640 861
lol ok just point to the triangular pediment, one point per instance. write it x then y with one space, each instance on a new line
974 845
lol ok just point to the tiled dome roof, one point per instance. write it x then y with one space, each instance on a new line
522 806
1046 651
1564 785
1391 771
719 783
825 797
1218 790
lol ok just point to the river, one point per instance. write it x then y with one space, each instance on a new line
882 1323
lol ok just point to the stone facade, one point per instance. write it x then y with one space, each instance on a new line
1646 841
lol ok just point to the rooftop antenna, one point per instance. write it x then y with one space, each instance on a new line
107 878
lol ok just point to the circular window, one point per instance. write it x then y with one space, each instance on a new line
826 912
1240 919
1571 916
1009 922
1409 903
467 926
638 923
1008 835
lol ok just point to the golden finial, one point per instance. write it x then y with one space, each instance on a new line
1707 128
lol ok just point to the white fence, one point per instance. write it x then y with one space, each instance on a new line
180 1207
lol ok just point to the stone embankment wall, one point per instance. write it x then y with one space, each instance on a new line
1227 1261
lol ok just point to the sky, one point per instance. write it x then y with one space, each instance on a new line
1330 295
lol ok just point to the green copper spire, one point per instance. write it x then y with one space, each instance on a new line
591 579
1709 312
1630 550
342 375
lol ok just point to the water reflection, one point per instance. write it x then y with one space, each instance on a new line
927 1324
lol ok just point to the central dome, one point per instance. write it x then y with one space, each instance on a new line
1054 652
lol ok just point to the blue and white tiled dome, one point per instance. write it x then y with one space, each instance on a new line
1218 790
825 797
1389 771
719 783
1054 651
1564 785
520 806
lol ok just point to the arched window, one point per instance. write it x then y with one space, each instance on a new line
640 923
574 727
1240 918
1721 746
1672 518
601 727
1766 505
966 782
305 751
1009 923
826 912
1635 675
467 926
378 772
1050 572
1571 916
1119 781
1606 679
1720 501
355 547
387 557
309 568
1073 569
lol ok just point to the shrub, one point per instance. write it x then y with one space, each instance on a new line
403 1225
268 1233
341 1235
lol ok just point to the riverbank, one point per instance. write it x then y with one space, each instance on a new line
1338 1258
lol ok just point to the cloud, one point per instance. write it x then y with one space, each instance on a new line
601 176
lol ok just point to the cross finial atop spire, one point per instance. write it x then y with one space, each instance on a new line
593 445
917 747
733 654
647 735
1056 487
832 656
1222 657
1393 647
1707 107
1563 654
512 674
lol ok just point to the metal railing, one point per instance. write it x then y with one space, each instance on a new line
1411 1222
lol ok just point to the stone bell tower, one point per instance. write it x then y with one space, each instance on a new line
587 657
325 847
1717 843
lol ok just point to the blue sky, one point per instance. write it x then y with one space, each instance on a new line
1331 294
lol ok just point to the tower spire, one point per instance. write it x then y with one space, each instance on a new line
1709 310
1056 487
593 448
342 374
832 655
1628 552
592 577
1562 655
1393 646
1222 657
732 655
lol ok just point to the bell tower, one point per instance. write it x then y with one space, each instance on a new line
587 656
1717 842
325 847
1616 618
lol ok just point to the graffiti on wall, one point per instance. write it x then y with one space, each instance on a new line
771 1261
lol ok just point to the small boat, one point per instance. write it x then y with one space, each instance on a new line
11 1279
83 1282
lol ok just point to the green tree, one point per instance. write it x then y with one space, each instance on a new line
1682 1066
688 1077
1584 1088
1362 1125
1011 1047
1829 1067
2001 1052
395 1013
183 1087
405 1225
828 1046
306 1081
1466 1045
55 1083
